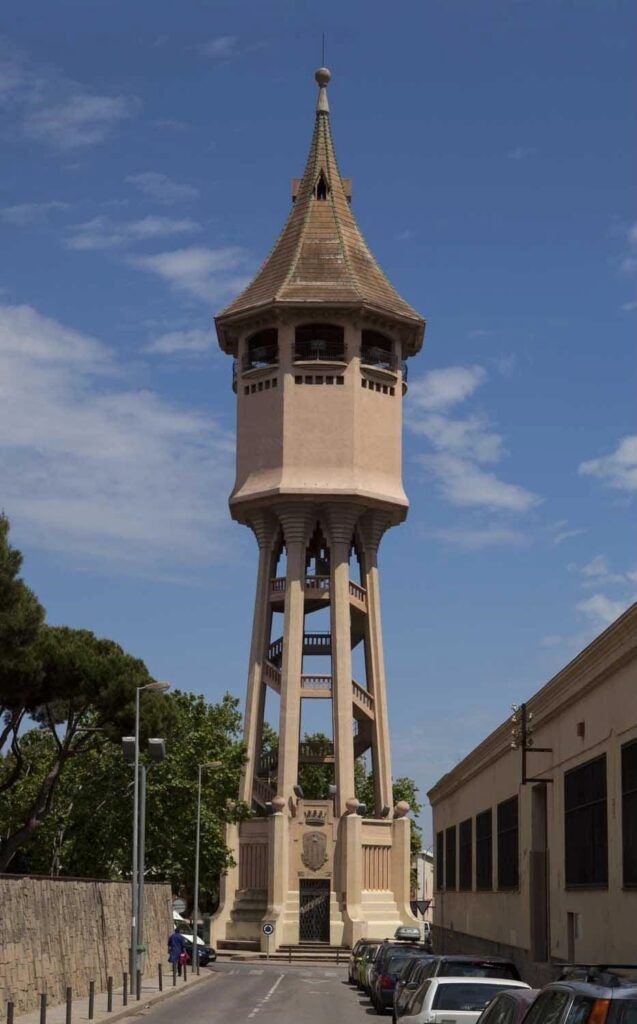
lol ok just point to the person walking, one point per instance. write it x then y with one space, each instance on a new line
177 947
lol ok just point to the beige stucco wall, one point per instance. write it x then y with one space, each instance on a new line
598 689
56 932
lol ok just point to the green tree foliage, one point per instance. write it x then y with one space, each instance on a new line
88 831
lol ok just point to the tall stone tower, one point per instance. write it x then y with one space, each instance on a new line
320 340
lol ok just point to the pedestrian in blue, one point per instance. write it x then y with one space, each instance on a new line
176 946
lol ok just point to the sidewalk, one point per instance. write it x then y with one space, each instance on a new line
150 994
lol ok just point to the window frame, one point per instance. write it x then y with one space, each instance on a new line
440 861
508 883
451 857
465 855
629 814
575 837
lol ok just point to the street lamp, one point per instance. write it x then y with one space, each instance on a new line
158 687
195 908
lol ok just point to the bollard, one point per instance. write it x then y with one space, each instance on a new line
160 978
174 974
109 995
337 954
91 1000
185 971
69 1005
289 954
130 961
9 1013
125 989
43 1008
138 984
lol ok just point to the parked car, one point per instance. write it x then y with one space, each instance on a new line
509 1006
355 958
206 954
451 1000
366 965
459 965
587 995
388 966
413 973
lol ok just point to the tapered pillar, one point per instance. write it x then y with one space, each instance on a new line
371 527
296 519
265 528
341 520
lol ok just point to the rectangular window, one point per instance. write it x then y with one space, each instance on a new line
465 847
508 873
450 858
629 812
484 850
440 861
586 825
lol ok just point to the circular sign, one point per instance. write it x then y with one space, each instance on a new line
268 929
179 905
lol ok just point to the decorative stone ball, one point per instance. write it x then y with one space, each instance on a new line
352 805
323 76
278 803
401 809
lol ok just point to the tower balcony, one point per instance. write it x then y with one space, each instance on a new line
317 594
319 350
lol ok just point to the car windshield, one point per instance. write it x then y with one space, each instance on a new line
477 969
396 962
464 996
370 953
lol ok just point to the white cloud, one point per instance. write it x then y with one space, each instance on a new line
463 483
189 341
220 47
207 274
53 109
565 534
161 188
521 152
440 389
477 539
97 468
103 233
597 566
469 437
619 469
23 214
629 307
601 610
628 263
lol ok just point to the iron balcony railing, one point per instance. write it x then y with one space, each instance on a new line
380 357
320 350
259 357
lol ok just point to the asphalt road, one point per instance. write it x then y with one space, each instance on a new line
265 994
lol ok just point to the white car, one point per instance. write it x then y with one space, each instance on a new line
453 1000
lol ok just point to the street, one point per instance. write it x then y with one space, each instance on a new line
264 993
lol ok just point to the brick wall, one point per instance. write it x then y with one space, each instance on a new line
56 932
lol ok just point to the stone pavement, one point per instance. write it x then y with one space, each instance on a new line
150 995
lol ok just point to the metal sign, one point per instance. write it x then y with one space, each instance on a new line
268 928
179 905
420 906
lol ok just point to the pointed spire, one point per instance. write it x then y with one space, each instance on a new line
321 259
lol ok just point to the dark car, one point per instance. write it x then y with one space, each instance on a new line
587 995
412 974
355 958
206 954
508 1007
390 961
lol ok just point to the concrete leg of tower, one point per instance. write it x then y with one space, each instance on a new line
400 868
228 885
351 842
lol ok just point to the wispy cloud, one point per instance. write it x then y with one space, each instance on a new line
628 264
521 152
598 573
562 532
194 341
103 233
24 214
477 539
207 274
220 47
629 307
602 610
97 468
617 470
54 109
161 188
462 446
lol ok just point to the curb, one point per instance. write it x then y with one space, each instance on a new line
131 1011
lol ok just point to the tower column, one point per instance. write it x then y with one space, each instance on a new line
341 520
371 528
265 528
296 519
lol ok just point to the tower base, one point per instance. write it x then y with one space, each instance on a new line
315 878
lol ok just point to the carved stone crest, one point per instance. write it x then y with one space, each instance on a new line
314 850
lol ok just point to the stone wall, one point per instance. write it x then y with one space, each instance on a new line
56 932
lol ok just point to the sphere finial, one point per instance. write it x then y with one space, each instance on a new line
323 76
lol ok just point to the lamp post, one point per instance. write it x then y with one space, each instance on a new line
195 908
159 688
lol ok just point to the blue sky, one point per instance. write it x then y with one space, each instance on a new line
148 151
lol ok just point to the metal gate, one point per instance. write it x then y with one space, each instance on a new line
314 916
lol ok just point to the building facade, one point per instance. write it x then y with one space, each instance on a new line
536 849
319 340
422 871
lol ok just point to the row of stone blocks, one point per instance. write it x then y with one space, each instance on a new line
59 932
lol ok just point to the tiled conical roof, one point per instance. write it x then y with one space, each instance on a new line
321 257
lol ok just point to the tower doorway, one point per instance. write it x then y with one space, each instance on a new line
314 907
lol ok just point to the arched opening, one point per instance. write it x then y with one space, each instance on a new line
322 188
262 349
319 342
377 350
